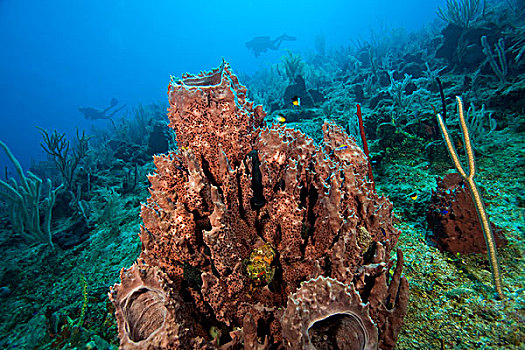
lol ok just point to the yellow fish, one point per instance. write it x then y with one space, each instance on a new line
342 147
296 101
280 118
413 197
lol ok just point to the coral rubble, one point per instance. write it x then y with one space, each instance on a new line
255 236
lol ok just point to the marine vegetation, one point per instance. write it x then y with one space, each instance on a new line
263 222
25 204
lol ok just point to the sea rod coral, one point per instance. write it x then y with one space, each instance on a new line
254 237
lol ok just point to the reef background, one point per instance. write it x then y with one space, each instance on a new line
58 300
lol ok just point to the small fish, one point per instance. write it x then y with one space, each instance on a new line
280 118
414 197
296 100
342 147
444 212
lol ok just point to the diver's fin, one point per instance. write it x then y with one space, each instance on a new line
115 111
277 42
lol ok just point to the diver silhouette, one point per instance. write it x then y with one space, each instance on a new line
95 113
261 44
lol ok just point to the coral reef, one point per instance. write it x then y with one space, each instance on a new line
454 221
242 214
25 205
452 304
57 299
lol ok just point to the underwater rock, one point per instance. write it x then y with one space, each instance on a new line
129 152
414 58
77 233
5 291
453 219
317 96
241 214
158 139
359 92
451 34
410 88
381 97
298 89
512 99
461 47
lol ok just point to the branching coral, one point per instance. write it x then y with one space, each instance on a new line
243 214
499 66
397 89
57 146
474 191
24 203
476 122
461 12
293 65
517 35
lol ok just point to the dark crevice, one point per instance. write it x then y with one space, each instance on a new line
359 208
207 319
214 270
242 211
302 196
258 200
188 245
279 186
278 236
327 265
192 276
275 284
259 224
309 225
208 174
207 250
202 223
368 285
368 257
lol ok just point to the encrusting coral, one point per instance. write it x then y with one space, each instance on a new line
251 235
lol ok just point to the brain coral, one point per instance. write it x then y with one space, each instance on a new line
254 237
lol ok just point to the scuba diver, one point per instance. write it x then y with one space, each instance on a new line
263 43
95 113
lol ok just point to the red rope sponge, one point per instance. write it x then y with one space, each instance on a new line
365 145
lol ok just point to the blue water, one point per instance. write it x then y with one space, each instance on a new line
59 55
